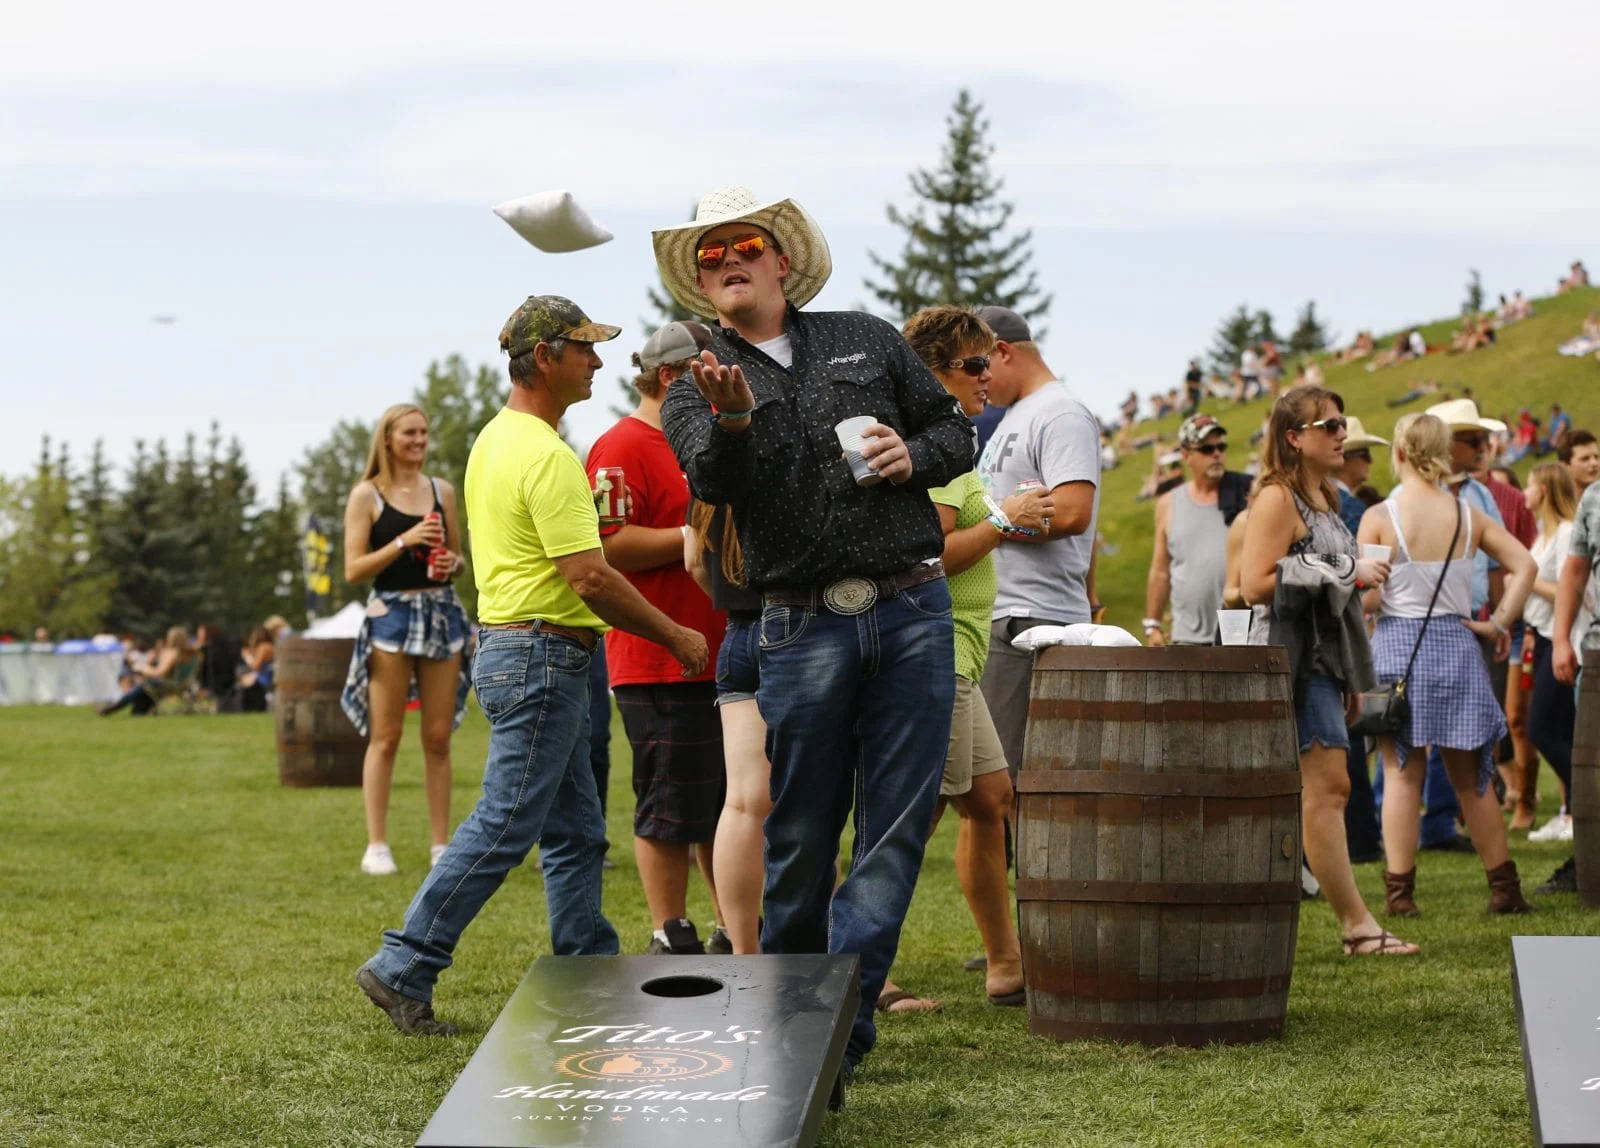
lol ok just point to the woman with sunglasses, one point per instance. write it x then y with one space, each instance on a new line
1427 608
1295 512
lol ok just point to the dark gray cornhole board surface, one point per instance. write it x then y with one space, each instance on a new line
1556 981
583 1055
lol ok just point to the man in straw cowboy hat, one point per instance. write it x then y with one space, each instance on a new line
857 646
545 595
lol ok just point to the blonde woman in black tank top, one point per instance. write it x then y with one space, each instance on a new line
415 629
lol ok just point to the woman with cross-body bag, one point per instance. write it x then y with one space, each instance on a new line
1427 638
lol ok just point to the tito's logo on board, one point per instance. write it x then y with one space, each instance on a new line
643 1064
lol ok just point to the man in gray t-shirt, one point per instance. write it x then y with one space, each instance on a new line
1050 438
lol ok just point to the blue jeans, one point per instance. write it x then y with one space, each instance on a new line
1440 806
600 723
858 713
537 788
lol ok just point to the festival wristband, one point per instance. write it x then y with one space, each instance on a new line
732 416
1152 624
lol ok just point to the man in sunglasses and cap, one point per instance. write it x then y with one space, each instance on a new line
545 595
857 644
1190 561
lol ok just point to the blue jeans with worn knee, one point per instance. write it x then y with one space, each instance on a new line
538 788
858 714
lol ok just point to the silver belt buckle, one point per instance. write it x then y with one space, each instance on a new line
850 595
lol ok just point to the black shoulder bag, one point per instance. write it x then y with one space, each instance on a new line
1386 712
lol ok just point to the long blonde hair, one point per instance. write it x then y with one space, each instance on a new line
379 470
1422 443
1283 464
1560 495
700 515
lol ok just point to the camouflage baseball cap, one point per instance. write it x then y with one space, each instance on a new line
546 317
1196 429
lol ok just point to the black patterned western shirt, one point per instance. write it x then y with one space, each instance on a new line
802 520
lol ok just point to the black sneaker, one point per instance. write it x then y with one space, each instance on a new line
719 944
682 940
1563 880
410 1016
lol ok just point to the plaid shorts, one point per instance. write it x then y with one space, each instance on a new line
678 773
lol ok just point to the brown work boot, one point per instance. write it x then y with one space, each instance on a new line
1398 890
410 1016
1505 890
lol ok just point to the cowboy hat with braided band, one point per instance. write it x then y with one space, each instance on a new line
786 221
1462 414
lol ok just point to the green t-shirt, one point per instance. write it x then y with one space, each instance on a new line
972 591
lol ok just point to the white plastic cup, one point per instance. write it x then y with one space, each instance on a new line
849 433
1373 550
1234 626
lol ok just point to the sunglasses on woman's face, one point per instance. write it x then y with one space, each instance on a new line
973 365
1332 425
748 247
1212 448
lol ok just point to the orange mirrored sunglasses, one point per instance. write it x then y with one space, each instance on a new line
747 247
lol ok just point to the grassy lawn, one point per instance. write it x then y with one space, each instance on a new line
183 933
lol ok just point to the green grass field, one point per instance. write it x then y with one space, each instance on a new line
1521 370
182 934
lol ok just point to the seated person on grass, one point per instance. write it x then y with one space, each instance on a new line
1360 349
1577 276
168 673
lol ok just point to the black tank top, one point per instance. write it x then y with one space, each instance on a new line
410 570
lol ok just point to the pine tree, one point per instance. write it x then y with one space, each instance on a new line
45 575
1262 330
328 473
1474 300
278 582
1309 335
954 251
1235 333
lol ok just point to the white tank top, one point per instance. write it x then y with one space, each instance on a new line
1410 586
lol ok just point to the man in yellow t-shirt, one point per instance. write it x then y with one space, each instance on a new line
545 593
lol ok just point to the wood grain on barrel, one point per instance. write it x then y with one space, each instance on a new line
1158 844
317 745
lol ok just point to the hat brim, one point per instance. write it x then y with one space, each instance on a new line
810 261
1494 425
592 333
1366 442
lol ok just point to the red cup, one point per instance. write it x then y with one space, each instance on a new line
439 564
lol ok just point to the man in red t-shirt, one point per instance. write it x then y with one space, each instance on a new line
671 721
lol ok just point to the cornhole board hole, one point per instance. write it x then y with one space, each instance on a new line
1558 1016
612 1052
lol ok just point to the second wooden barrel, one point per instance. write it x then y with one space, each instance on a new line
317 745
1158 844
1584 800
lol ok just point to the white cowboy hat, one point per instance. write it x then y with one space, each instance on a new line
797 233
1357 438
1462 414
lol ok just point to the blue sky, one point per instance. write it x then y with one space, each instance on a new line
308 191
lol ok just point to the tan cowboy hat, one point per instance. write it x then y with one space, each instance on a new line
1357 438
797 233
1462 414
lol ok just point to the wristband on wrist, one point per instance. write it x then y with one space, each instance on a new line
1152 624
1499 629
399 545
732 416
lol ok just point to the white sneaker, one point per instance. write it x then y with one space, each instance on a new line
378 861
1558 828
434 853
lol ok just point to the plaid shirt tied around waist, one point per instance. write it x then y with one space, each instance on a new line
427 636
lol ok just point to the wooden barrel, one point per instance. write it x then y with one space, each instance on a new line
1584 800
1158 844
317 745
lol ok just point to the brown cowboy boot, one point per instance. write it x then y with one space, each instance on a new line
1398 889
1505 890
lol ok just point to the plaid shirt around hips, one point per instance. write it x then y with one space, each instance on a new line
427 636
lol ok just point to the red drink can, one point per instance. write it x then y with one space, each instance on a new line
424 553
610 495
439 564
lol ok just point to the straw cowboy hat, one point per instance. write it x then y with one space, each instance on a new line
1357 438
1462 414
791 225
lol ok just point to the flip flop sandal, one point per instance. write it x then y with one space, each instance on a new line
1009 1000
887 1001
1388 945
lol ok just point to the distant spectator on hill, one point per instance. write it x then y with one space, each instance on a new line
1130 409
1193 387
1271 365
1416 344
1580 454
1560 424
1250 368
1524 438
1359 349
1577 276
1421 388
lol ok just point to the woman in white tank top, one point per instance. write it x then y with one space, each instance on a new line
1453 705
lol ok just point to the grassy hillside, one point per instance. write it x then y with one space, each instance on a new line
1521 370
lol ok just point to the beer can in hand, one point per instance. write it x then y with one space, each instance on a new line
1023 487
424 553
610 495
440 564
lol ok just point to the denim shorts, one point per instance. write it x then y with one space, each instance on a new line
1320 715
391 631
738 662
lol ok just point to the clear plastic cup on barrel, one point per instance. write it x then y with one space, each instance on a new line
1234 625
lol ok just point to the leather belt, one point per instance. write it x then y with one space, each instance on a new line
588 639
853 595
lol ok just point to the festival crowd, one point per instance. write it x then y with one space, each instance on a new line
801 578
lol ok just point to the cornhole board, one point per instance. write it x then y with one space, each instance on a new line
613 1052
1556 982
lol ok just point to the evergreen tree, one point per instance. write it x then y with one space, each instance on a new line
1262 328
1309 335
277 585
954 251
328 472
1474 300
1235 333
45 575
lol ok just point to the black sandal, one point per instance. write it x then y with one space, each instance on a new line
1387 945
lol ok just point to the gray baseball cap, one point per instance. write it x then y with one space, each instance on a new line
1006 324
673 343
